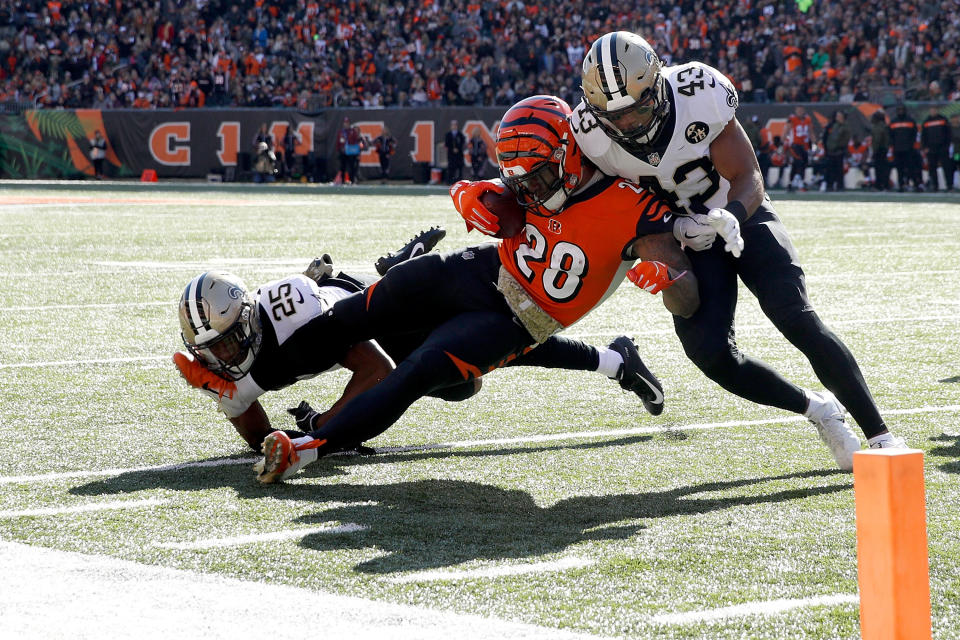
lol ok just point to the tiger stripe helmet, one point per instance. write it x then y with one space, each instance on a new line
219 324
538 158
624 88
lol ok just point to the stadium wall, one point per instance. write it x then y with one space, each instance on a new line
194 143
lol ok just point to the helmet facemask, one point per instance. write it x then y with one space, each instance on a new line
537 160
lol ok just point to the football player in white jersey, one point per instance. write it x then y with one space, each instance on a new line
673 130
240 345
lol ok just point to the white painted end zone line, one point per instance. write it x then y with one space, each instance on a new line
496 571
274 536
766 608
85 508
465 444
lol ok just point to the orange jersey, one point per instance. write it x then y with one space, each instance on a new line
800 130
573 261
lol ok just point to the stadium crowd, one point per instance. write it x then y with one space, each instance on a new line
309 54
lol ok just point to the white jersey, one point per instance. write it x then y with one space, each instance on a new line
681 171
286 308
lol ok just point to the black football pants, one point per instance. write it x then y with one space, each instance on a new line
770 269
471 331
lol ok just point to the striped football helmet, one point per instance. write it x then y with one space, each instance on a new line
624 89
538 159
219 324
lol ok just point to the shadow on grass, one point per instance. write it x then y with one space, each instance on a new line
437 523
236 471
953 379
432 523
951 448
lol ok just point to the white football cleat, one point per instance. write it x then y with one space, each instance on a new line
887 441
826 413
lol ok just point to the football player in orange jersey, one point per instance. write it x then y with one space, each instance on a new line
493 302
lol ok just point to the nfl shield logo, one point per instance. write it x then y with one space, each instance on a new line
653 158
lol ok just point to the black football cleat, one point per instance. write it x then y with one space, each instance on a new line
634 376
421 243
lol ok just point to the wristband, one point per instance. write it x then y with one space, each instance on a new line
738 210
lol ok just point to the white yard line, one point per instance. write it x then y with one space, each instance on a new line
255 538
58 363
465 444
84 508
496 571
765 608
60 594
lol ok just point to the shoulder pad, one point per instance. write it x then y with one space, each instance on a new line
587 133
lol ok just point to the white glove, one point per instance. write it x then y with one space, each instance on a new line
694 231
728 228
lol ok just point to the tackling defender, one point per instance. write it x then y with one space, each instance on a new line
673 130
239 346
488 304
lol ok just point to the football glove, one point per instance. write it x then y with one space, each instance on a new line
694 231
305 416
466 198
199 377
728 228
320 269
652 276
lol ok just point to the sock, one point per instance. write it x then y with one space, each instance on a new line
610 362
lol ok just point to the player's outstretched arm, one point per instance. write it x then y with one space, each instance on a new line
681 296
253 425
369 364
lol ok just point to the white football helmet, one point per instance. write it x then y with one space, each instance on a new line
219 323
624 89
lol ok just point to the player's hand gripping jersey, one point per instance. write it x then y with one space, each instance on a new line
571 262
676 165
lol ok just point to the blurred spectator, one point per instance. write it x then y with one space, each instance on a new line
935 139
799 130
954 150
903 134
836 136
855 171
264 164
350 144
455 142
98 152
385 146
291 137
478 155
880 147
313 54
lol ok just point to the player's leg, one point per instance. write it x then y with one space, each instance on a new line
709 339
772 271
619 361
421 294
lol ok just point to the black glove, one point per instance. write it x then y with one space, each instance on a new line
305 416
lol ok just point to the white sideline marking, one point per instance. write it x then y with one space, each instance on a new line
273 536
464 444
57 363
83 508
93 305
99 597
496 571
765 608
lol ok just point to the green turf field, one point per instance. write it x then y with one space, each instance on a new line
556 501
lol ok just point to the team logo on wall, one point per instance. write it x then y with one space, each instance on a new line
696 132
